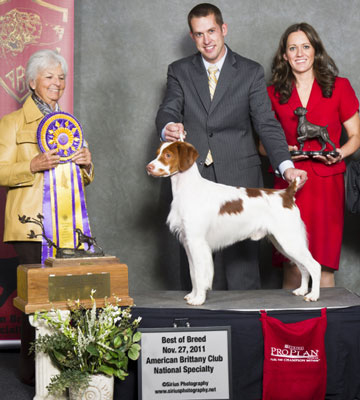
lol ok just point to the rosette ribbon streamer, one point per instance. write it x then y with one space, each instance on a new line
64 205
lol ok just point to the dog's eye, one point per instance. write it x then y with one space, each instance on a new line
167 155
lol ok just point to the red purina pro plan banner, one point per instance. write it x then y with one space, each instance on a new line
294 358
26 26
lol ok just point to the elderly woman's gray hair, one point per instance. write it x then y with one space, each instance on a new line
41 60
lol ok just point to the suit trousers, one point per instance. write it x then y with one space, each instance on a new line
236 267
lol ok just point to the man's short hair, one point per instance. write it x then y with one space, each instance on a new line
203 10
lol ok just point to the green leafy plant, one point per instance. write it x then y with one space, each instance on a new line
86 342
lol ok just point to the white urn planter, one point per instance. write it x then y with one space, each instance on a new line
101 387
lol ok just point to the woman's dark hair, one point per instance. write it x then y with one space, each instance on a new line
325 69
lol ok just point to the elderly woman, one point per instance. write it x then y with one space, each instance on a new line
22 166
304 75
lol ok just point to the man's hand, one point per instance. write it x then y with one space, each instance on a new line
291 174
44 161
174 131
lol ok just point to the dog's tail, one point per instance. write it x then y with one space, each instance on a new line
293 187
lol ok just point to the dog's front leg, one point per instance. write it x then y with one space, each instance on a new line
201 270
190 295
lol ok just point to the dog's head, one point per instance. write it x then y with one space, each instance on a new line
300 111
172 158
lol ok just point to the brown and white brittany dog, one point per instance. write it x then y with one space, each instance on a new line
208 216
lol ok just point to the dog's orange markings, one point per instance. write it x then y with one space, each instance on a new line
232 207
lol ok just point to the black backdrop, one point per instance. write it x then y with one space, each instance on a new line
342 343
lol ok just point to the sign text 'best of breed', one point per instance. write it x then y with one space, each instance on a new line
185 363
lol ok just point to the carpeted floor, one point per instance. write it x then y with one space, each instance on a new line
10 386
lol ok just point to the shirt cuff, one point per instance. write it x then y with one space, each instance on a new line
283 167
162 135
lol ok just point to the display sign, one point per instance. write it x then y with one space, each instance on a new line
185 363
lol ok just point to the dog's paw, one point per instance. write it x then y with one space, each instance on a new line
301 291
197 300
312 296
189 296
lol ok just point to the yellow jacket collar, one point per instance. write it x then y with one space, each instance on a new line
31 111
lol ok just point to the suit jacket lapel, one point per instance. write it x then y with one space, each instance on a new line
200 80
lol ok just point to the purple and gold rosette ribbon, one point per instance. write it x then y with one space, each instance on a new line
64 205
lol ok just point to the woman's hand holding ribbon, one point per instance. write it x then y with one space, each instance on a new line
44 161
83 158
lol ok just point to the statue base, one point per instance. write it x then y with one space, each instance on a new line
331 153
51 286
77 253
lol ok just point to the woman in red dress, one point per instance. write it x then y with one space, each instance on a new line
303 75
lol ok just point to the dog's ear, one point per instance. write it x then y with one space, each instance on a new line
187 155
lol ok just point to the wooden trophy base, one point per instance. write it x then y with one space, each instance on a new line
51 286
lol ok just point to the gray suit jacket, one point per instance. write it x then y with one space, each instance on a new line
224 124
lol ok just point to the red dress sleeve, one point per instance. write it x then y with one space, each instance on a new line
349 104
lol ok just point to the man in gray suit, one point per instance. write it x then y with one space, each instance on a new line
218 113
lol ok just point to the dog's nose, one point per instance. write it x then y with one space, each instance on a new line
150 167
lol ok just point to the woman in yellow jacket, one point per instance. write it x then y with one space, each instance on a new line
22 166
